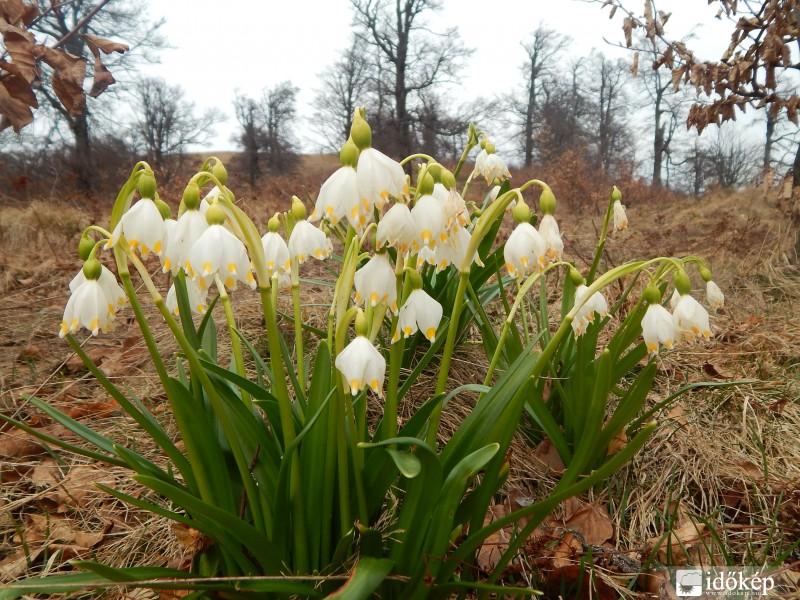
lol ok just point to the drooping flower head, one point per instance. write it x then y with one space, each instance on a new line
589 306
142 225
339 196
691 320
525 250
185 232
197 297
307 241
714 295
108 282
217 252
362 365
276 252
376 282
420 312
397 228
92 304
490 165
657 326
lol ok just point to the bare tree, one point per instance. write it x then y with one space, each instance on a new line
345 85
267 135
607 82
166 123
541 48
564 115
416 58
81 29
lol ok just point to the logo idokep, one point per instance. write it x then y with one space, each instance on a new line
722 582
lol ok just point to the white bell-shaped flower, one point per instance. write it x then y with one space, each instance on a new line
115 295
430 222
306 241
142 226
362 365
379 177
620 218
181 237
691 320
454 207
197 297
657 328
397 228
588 307
525 251
426 255
376 282
548 229
92 304
276 253
716 299
419 312
480 164
217 252
496 168
674 299
455 253
339 198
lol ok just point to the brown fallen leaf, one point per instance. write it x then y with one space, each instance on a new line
46 473
496 544
576 582
679 541
618 443
716 371
592 523
11 567
547 454
78 487
97 354
18 444
97 410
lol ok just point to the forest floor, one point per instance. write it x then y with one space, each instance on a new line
718 484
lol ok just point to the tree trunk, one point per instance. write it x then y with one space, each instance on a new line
82 153
794 204
768 143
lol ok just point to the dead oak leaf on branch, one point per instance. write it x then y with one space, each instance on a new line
102 76
69 71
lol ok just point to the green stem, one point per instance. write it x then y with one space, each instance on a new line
523 313
418 155
236 343
601 243
298 325
389 422
444 368
467 149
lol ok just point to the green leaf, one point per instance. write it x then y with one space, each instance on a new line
406 462
367 576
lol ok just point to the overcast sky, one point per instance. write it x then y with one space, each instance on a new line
222 46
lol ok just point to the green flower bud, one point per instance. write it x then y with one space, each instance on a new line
547 202
615 194
706 274
191 196
274 224
425 186
575 276
348 155
448 179
472 134
85 246
215 215
360 131
682 282
147 185
435 171
652 295
361 325
220 172
521 213
489 148
298 209
477 212
163 208
92 269
414 279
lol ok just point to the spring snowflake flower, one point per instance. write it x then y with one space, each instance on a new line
674 299
525 251
197 297
306 241
420 312
218 252
379 177
93 303
276 252
376 281
181 237
620 218
115 295
397 228
491 166
588 307
362 365
657 328
143 227
339 198
453 206
716 299
691 320
548 229
430 221
454 253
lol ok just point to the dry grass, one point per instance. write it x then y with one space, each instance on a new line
728 458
